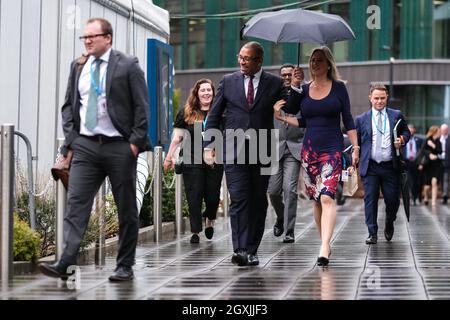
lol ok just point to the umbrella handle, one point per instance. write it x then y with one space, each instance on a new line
298 55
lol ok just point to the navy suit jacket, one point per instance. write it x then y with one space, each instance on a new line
364 128
230 105
418 141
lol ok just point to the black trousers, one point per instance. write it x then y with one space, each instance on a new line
380 176
248 208
92 162
202 183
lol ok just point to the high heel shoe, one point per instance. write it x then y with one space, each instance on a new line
322 261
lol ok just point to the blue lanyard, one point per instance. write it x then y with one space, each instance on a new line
97 88
204 123
376 126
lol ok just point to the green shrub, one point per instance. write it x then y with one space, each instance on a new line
111 224
45 220
168 202
26 242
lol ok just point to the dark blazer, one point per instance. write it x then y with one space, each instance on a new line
447 153
290 137
364 128
418 141
231 99
126 97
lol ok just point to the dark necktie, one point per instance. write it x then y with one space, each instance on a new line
411 150
250 92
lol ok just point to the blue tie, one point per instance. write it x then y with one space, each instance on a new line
91 112
378 140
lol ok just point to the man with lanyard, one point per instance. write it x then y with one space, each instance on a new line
379 160
105 119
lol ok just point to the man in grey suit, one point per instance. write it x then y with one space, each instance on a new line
104 117
286 179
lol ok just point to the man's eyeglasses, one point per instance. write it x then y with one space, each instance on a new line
92 37
286 75
246 59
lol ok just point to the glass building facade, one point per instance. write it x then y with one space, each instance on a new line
205 34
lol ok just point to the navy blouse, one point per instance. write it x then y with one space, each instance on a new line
322 118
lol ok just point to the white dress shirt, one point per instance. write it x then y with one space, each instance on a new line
443 139
385 132
104 124
256 78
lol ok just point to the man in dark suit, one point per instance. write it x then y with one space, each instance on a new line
283 184
410 154
379 164
104 118
444 157
247 98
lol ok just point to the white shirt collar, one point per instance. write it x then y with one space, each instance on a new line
104 57
256 75
375 111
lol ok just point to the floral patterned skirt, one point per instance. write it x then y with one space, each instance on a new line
322 173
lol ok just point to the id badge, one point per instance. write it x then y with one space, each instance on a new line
101 105
344 175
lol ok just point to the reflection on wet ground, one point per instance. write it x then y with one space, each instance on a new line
414 265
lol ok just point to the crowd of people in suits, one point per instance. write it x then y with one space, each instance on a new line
105 121
428 164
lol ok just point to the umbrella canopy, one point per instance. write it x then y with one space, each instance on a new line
298 25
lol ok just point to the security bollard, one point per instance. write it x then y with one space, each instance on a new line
157 194
7 202
178 204
100 208
226 202
61 199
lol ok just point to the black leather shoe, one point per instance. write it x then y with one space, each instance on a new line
372 240
389 230
240 257
122 273
209 232
253 259
55 270
195 238
322 261
289 238
278 229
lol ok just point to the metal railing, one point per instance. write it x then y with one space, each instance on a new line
157 193
7 204
7 201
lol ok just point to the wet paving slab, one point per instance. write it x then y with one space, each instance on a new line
414 265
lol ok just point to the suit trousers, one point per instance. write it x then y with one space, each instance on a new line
202 183
248 208
380 175
414 180
92 162
285 182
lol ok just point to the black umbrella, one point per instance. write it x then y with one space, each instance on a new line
298 26
404 185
